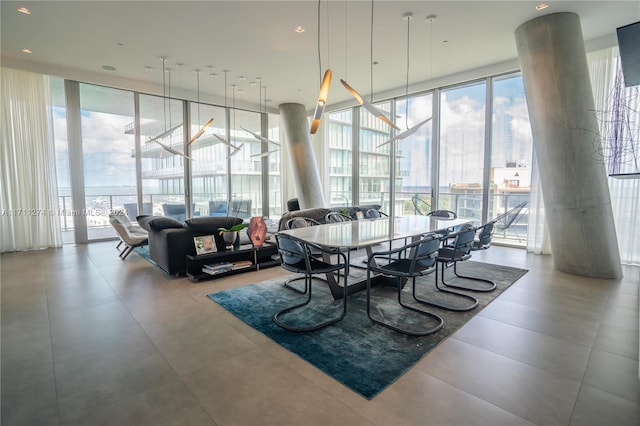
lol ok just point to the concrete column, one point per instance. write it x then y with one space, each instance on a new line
573 178
303 160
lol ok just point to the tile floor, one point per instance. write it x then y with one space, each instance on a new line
90 339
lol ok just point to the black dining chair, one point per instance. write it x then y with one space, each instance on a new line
336 217
447 255
300 222
481 241
295 256
443 213
295 223
419 260
374 214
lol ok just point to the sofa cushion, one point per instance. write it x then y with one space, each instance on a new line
143 220
161 222
210 224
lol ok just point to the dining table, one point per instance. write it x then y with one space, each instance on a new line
367 233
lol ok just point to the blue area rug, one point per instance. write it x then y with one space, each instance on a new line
363 356
144 252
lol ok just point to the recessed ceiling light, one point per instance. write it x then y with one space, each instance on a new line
24 10
542 6
299 29
108 68
25 50
148 68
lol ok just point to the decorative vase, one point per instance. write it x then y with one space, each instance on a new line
230 238
257 231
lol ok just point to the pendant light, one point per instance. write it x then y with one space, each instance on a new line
410 130
267 153
359 98
166 132
324 87
235 149
207 124
255 134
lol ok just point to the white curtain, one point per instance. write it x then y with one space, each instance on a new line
29 197
625 193
537 231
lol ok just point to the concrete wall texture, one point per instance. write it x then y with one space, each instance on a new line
574 181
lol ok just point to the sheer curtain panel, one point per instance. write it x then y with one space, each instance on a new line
537 230
604 65
29 216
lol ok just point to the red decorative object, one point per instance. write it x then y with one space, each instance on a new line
257 230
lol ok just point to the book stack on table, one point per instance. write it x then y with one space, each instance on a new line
218 268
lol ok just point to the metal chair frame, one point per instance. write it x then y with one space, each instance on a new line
509 218
481 241
295 255
336 217
447 255
420 206
294 223
443 213
420 261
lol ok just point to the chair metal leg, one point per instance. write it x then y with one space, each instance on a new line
308 286
444 290
119 244
297 290
437 327
492 284
126 252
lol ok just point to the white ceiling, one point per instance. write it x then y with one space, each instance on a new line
75 39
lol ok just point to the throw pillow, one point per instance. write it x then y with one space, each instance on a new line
210 224
143 221
160 222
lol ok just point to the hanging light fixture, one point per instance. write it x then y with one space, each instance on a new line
324 87
410 130
359 98
255 134
166 132
207 124
226 141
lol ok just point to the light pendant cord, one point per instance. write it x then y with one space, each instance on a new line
225 87
198 78
319 56
371 55
406 89
170 121
164 92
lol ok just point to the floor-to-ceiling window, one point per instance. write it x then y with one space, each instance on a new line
150 178
340 135
478 156
108 164
161 140
246 164
374 161
414 155
461 161
209 180
511 156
